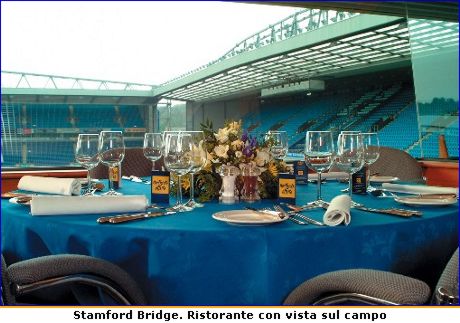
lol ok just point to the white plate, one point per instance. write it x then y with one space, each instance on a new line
14 200
248 217
383 179
424 201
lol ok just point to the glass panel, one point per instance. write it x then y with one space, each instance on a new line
45 135
434 46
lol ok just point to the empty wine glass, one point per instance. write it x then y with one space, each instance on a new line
278 141
87 155
177 157
350 155
153 144
319 152
198 154
111 152
371 151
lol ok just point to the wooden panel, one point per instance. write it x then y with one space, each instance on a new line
10 179
440 173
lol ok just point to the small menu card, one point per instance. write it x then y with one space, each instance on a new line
160 187
286 188
301 172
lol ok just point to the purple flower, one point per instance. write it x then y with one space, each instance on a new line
247 151
253 142
244 137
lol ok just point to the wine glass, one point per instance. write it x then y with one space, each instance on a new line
86 154
111 152
319 153
153 144
198 155
177 157
278 143
350 155
371 150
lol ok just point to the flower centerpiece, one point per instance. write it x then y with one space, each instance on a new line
233 146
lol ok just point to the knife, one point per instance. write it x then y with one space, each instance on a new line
392 211
131 217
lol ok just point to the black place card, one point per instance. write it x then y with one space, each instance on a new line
301 172
286 188
160 187
359 182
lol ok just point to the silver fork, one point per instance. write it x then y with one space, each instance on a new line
282 212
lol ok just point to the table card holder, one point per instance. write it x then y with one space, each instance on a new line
160 187
359 181
301 172
287 188
115 176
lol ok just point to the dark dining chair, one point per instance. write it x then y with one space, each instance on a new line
374 287
398 163
68 279
134 163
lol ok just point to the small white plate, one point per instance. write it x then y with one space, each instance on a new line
248 217
14 200
424 201
383 179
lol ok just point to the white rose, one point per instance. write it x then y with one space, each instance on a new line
262 158
222 135
234 127
237 144
221 151
238 154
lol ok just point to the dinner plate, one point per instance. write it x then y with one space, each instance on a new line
383 179
425 201
248 217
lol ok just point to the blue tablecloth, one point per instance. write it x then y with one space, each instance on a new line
192 259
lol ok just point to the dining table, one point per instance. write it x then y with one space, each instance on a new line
191 258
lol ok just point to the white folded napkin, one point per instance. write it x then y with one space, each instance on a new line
53 205
50 185
329 175
419 189
338 211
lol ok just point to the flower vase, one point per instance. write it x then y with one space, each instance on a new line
227 191
250 191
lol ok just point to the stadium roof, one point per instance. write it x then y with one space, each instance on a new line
31 87
329 49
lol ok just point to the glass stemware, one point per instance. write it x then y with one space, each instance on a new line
319 153
177 157
278 143
198 155
350 155
86 154
153 145
371 151
111 151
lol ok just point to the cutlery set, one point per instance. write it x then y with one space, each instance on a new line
136 179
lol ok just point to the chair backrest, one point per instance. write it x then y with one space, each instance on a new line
55 274
134 163
448 281
7 296
395 162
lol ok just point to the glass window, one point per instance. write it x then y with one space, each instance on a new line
434 47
